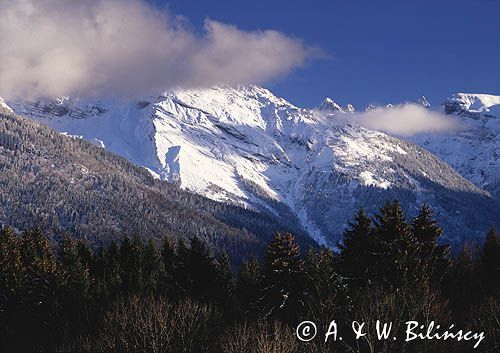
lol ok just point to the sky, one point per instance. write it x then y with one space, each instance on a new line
380 51
358 52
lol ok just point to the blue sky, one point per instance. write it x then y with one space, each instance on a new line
382 51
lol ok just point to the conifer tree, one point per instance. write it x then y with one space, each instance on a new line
225 275
131 263
357 253
168 254
75 274
170 265
397 259
282 272
434 257
41 267
181 269
248 284
197 270
225 283
461 282
112 269
99 273
424 227
152 268
390 223
325 288
85 253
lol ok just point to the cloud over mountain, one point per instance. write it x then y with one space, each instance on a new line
405 120
126 47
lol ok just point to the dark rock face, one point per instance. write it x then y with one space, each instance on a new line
62 107
452 107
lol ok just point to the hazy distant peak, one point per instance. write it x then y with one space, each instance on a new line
423 101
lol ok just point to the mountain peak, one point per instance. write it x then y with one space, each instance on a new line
370 107
350 108
230 94
329 104
424 102
472 104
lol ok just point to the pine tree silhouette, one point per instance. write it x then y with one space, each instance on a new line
325 288
197 270
248 285
152 268
282 273
357 253
434 258
397 259
424 227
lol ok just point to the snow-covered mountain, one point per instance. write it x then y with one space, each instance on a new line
246 146
474 151
66 185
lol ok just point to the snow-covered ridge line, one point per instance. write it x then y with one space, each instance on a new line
471 103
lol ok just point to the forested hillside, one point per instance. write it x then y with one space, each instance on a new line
67 185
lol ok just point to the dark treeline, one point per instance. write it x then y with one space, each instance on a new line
174 297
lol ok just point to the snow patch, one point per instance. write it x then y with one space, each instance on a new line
4 105
369 179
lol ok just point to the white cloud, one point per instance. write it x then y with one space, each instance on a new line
403 120
95 47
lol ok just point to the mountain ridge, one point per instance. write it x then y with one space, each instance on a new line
68 185
245 146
